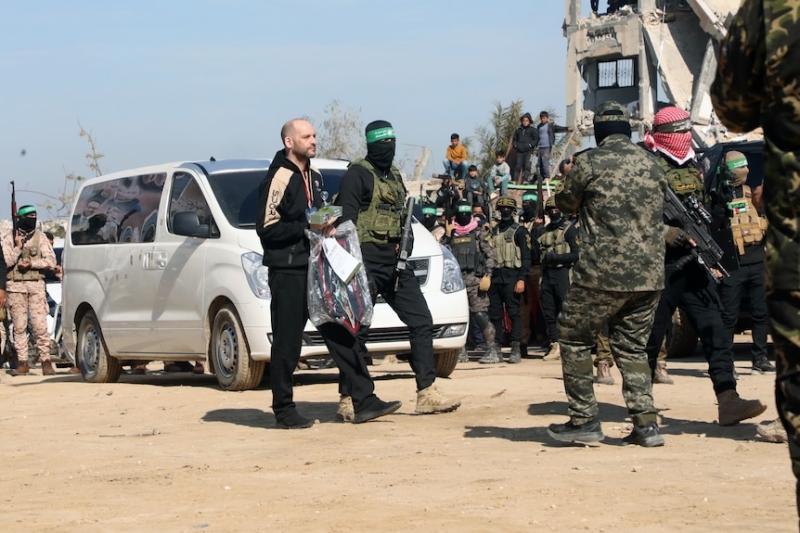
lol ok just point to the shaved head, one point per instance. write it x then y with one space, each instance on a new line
299 140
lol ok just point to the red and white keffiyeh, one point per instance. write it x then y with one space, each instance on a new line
677 146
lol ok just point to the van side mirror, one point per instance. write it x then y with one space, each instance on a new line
187 223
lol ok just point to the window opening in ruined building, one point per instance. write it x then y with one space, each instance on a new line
619 73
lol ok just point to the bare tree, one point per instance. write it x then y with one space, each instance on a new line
341 135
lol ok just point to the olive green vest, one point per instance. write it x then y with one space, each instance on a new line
508 253
30 250
684 181
555 241
382 221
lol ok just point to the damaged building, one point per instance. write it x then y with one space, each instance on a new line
639 50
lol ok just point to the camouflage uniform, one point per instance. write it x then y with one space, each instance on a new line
618 191
758 84
26 292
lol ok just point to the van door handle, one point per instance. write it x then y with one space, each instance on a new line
155 260
160 260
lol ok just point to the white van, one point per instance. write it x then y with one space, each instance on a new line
164 263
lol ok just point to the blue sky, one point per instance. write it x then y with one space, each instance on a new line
176 80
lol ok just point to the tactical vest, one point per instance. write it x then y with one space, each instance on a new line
30 250
508 253
684 181
382 221
465 248
555 241
747 226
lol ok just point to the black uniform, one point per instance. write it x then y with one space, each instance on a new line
555 275
380 260
504 279
281 223
749 279
689 286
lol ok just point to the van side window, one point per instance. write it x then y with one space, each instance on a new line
189 213
118 211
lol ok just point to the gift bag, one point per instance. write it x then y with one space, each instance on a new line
338 290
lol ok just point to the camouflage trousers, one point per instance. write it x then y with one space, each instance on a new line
33 302
629 316
784 318
478 299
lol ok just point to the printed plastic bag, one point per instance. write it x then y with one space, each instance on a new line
330 298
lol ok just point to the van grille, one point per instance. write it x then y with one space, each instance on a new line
375 335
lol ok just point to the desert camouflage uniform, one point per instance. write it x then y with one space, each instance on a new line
28 296
758 84
618 189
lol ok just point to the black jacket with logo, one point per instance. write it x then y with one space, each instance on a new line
281 219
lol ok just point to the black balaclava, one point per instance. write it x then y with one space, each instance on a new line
604 129
464 213
26 218
553 214
529 210
379 152
506 215
429 217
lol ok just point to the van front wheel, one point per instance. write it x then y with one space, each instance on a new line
233 366
91 355
446 362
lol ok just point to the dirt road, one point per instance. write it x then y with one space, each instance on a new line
174 453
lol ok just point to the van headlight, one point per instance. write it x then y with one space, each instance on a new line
452 280
256 275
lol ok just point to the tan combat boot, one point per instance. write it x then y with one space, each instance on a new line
47 368
346 412
22 369
733 409
661 376
554 353
431 401
604 376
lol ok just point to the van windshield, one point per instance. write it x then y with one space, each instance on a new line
237 193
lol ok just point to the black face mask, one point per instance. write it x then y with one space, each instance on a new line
26 223
429 222
554 216
529 211
381 154
463 218
506 214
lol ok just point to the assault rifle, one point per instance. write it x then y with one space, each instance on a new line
13 212
692 219
405 243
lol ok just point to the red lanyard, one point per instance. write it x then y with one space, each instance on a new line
307 183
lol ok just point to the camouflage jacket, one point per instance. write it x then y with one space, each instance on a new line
758 84
618 190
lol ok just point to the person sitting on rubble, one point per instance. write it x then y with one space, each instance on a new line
499 175
456 160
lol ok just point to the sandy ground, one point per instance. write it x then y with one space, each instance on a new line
174 453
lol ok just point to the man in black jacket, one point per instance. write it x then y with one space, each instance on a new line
373 196
526 140
289 191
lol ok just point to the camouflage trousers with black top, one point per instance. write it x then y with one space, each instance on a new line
629 316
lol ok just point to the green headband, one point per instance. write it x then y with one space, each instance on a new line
737 163
428 210
465 209
26 210
679 126
380 134
530 197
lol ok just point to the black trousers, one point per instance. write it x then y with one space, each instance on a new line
523 165
289 312
555 284
692 289
750 280
410 305
502 293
